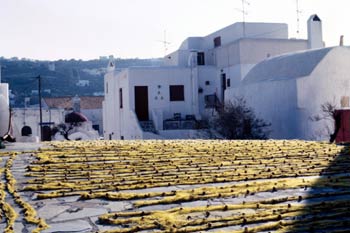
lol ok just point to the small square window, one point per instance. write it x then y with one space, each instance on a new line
207 83
217 41
200 58
177 93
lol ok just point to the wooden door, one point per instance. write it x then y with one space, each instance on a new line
141 103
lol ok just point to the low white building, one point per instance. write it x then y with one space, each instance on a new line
4 107
288 91
170 101
26 123
89 106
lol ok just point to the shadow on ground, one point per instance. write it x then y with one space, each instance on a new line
327 205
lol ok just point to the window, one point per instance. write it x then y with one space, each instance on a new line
200 59
120 98
217 41
228 82
106 88
207 83
177 93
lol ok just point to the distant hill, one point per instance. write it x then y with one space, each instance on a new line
60 78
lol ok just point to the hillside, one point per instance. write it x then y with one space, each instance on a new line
60 78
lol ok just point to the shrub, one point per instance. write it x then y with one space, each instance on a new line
238 121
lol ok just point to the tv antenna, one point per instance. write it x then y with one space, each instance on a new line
298 16
244 12
165 43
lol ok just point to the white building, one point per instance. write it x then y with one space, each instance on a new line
83 83
4 107
89 106
26 123
154 102
288 91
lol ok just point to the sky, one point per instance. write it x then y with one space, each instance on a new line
87 29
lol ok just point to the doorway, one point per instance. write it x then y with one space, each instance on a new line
46 133
223 87
141 103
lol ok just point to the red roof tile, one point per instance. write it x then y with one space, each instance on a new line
86 102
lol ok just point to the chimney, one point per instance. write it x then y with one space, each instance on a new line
76 103
341 42
111 64
314 32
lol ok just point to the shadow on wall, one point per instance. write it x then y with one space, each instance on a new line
326 207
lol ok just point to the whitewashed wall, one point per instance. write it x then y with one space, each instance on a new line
253 30
30 117
329 81
273 101
95 116
290 104
163 77
4 108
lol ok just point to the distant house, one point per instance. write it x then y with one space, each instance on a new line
172 100
90 106
83 83
51 66
26 123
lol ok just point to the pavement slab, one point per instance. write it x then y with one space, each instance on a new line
79 213
69 226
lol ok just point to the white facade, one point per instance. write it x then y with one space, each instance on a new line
29 117
288 91
160 108
4 107
206 67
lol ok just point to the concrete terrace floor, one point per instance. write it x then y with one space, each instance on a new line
185 186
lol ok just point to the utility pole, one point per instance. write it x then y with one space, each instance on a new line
40 109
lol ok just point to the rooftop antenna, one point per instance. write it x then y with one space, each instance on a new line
244 13
298 17
165 43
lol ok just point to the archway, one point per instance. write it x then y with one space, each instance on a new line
26 131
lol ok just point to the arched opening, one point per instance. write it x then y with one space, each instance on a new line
26 131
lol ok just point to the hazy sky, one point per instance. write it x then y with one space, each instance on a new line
87 29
